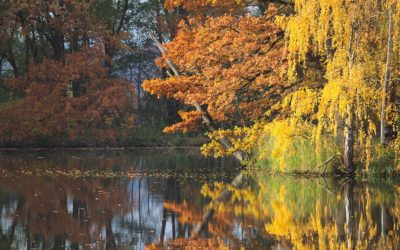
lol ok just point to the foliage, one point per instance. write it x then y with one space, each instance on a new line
50 107
55 36
232 65
350 43
286 102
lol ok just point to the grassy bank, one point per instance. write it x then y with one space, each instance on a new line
304 157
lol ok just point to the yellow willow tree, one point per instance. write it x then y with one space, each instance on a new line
349 39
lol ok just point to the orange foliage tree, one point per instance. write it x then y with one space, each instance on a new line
61 56
232 63
66 100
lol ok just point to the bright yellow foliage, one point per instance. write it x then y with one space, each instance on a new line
348 39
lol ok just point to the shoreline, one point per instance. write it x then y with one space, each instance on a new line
96 148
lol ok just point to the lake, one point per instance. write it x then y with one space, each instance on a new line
133 199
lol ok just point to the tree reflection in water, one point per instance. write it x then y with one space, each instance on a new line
161 210
297 213
61 207
67 212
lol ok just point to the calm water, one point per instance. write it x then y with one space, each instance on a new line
155 198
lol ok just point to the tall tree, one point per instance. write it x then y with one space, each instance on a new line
349 40
224 61
386 78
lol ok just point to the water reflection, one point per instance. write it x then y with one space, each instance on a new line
287 213
99 213
162 204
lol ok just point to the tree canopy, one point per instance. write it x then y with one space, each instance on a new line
287 75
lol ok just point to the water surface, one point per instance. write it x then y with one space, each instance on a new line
155 198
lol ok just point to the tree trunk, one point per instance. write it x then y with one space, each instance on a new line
237 182
386 79
349 141
33 46
110 239
349 206
11 59
109 52
383 222
138 83
57 44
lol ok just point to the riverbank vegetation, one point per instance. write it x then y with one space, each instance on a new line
301 86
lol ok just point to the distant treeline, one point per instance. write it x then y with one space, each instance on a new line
71 72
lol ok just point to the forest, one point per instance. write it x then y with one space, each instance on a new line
294 86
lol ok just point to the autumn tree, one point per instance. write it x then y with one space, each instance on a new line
66 100
350 40
61 54
230 62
